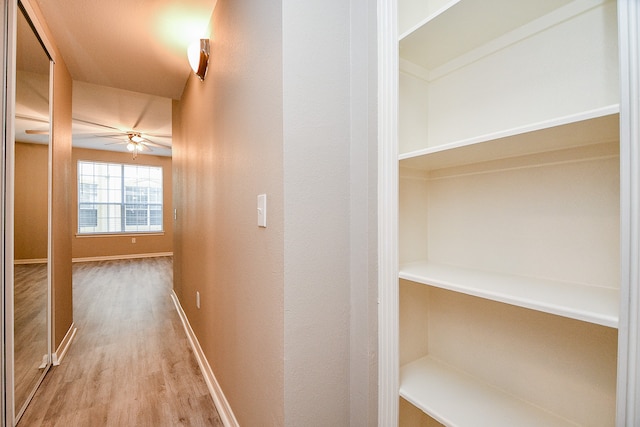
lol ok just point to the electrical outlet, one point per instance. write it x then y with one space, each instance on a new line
197 299
133 240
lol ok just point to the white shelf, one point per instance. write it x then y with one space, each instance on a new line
458 400
461 26
587 128
594 304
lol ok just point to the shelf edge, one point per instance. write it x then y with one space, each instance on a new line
608 110
601 319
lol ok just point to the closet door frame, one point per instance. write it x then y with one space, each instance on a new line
10 10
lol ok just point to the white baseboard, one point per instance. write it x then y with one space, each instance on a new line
117 257
224 410
61 351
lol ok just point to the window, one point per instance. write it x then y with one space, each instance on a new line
118 198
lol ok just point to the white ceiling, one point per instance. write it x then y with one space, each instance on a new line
128 61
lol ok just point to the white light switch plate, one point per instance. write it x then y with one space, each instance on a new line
262 210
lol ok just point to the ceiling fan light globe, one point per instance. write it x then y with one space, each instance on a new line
131 146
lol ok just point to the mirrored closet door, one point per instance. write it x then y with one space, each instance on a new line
31 194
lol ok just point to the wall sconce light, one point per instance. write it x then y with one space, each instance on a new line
198 54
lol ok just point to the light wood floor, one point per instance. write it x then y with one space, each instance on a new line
30 327
130 363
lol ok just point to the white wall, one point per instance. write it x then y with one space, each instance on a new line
329 195
316 203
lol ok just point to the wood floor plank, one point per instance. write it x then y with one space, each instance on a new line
130 363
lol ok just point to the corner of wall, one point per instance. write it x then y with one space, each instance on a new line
61 209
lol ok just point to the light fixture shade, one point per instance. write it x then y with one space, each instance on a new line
198 54
131 146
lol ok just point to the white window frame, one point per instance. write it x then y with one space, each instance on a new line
112 199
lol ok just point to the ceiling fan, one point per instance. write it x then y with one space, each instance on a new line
139 125
135 141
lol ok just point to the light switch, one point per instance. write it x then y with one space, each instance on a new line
262 210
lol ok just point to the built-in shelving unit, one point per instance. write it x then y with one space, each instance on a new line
509 211
538 72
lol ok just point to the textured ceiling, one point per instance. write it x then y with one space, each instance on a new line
127 59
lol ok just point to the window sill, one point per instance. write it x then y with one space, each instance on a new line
152 233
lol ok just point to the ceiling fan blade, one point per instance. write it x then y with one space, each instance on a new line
142 113
140 147
87 122
36 132
157 135
110 135
33 119
155 144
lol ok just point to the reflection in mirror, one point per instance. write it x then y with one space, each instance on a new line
31 234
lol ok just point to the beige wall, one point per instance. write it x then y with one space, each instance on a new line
227 151
61 187
31 195
287 321
113 245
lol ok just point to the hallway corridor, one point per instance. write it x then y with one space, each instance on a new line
130 363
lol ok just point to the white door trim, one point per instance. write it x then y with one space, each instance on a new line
388 311
628 396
